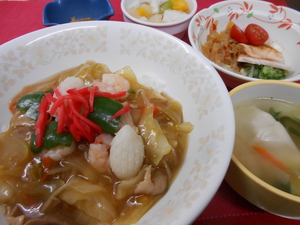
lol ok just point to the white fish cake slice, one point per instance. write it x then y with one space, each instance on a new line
126 153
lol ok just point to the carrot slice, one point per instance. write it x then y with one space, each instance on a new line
12 108
270 158
155 110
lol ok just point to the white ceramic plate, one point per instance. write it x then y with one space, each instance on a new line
282 24
188 76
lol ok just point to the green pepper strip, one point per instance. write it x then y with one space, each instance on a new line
30 103
104 109
52 139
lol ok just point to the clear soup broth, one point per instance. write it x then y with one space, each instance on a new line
268 141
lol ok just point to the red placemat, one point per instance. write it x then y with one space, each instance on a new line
21 17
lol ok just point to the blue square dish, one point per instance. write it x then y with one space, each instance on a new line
62 11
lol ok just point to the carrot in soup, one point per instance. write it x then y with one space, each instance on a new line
270 158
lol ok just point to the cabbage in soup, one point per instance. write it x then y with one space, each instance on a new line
268 141
88 146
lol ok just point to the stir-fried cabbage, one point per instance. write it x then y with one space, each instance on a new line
93 199
56 181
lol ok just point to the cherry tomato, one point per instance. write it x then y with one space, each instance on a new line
237 34
256 34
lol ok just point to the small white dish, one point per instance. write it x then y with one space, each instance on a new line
176 28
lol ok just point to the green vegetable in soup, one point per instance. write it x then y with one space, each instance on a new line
274 113
290 124
286 187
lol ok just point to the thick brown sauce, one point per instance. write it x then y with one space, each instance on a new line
21 170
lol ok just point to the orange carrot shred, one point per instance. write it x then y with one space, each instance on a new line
269 157
155 110
12 107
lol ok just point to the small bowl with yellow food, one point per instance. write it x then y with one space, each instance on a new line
171 16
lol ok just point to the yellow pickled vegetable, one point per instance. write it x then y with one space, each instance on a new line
180 5
142 12
145 10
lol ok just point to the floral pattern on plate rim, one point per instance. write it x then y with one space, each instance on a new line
17 63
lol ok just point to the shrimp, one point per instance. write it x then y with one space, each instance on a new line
69 83
112 83
64 86
98 156
59 152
